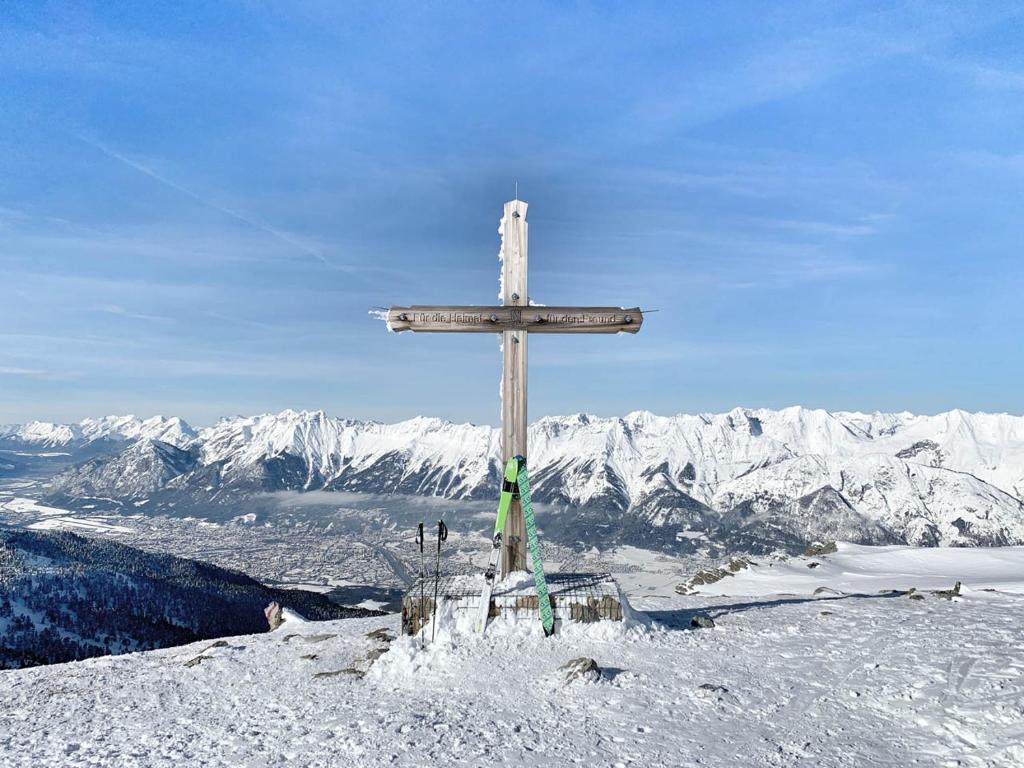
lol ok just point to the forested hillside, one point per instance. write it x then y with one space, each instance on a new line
64 597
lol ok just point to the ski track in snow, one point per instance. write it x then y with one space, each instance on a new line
864 679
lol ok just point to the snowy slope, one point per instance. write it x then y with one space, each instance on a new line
42 433
749 477
869 570
170 430
436 456
782 680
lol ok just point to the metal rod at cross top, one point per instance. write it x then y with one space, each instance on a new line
515 319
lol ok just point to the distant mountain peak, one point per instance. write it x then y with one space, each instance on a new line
128 428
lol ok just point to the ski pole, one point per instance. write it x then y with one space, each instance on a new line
442 535
423 577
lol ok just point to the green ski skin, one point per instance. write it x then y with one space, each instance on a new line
508 488
533 542
511 471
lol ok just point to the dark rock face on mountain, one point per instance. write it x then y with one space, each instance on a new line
823 514
137 471
64 597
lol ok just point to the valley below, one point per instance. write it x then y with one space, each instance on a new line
361 554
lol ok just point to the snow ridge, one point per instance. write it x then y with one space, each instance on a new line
113 428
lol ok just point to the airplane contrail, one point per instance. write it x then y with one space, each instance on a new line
272 231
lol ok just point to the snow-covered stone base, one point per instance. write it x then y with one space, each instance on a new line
576 597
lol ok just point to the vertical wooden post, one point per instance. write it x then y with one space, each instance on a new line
513 373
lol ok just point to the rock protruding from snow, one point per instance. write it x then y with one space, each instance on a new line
583 668
273 614
817 549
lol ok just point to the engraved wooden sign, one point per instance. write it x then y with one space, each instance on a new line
515 319
482 319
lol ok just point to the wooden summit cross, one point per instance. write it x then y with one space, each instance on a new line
515 319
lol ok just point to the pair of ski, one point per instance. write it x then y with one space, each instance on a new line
516 480
442 535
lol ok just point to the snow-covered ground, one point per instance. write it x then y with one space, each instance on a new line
786 677
54 519
858 569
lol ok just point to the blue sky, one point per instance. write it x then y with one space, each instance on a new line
199 203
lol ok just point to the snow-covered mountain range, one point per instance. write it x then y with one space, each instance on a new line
752 477
111 428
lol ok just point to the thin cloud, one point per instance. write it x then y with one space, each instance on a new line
8 371
11 214
678 351
795 66
812 227
116 309
981 75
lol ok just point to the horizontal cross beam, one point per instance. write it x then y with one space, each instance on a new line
478 319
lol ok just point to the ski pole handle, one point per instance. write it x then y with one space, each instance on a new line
442 533
419 537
